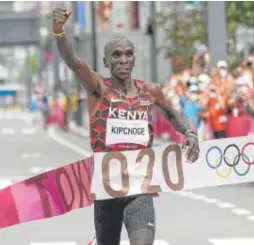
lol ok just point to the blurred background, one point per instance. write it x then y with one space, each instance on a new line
202 55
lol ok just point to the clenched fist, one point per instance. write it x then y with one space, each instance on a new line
60 16
191 147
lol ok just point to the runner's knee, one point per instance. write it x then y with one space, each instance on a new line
139 213
139 220
142 237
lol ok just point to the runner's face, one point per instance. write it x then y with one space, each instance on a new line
120 59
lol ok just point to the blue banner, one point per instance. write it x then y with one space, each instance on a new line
81 13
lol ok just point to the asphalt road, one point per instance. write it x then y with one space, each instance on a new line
219 216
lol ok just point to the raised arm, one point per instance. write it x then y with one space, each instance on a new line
91 80
191 143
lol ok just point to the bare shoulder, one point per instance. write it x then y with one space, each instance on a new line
159 97
154 89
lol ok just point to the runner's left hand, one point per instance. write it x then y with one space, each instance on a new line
191 148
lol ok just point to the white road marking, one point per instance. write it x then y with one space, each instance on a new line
232 241
212 200
198 197
30 155
36 170
7 131
251 218
186 194
125 242
28 130
53 243
14 115
194 196
73 147
226 205
47 169
241 211
39 169
11 131
156 242
218 203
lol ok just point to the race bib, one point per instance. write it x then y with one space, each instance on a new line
127 131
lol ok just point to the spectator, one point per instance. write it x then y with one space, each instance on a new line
65 106
216 111
237 102
222 78
250 103
45 110
191 107
201 60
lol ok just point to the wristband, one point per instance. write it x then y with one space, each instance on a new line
191 134
59 34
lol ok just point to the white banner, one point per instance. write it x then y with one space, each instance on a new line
164 169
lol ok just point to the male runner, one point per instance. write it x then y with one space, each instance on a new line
120 119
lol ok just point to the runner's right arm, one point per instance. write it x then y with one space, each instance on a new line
91 80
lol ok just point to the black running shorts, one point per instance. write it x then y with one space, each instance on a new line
135 212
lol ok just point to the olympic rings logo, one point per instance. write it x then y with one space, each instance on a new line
231 161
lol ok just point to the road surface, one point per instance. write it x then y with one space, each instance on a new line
218 216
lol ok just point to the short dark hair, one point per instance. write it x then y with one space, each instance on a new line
108 45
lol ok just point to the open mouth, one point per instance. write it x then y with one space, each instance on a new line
124 69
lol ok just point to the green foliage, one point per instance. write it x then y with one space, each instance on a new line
241 12
33 63
184 28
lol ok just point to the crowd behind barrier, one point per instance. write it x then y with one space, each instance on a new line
218 103
236 127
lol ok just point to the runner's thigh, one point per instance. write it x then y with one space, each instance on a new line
139 220
108 220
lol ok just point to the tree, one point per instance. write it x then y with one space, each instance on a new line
183 31
184 28
240 13
237 14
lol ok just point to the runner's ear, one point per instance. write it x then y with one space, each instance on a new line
105 62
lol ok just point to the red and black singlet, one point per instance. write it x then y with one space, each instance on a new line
122 123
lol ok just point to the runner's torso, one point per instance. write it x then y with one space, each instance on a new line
122 123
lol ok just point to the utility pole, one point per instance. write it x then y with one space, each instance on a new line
153 60
94 34
217 36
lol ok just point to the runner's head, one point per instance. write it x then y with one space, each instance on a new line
119 57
